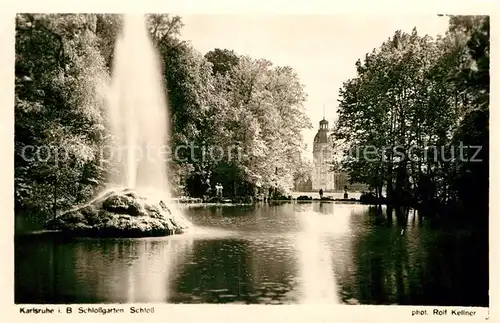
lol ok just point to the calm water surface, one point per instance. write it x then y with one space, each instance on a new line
291 253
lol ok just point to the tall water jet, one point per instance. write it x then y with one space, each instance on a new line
138 203
138 112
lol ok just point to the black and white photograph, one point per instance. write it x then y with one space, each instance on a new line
332 159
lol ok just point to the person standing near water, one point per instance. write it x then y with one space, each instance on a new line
207 187
321 193
218 189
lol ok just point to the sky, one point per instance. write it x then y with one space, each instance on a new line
322 49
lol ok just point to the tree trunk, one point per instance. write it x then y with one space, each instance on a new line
55 194
390 188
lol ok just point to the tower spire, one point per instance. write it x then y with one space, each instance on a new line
323 111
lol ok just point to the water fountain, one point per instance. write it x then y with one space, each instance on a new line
137 202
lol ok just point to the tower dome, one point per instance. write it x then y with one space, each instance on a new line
322 135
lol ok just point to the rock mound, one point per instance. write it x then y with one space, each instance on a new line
121 213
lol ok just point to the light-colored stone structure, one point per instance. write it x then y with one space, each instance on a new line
323 177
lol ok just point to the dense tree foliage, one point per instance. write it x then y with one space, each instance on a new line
58 110
415 115
248 107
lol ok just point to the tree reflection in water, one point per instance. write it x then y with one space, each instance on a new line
412 264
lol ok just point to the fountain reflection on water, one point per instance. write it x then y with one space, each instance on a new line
318 281
130 270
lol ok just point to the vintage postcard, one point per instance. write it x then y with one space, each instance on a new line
172 166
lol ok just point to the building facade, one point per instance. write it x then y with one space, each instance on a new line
323 177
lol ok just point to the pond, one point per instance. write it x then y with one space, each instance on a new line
282 254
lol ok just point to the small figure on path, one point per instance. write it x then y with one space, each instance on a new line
321 193
345 192
208 187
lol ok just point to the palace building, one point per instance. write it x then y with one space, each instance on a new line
323 177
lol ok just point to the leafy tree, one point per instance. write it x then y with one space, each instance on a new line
414 97
58 109
223 60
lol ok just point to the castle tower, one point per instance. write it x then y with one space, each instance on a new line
323 177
